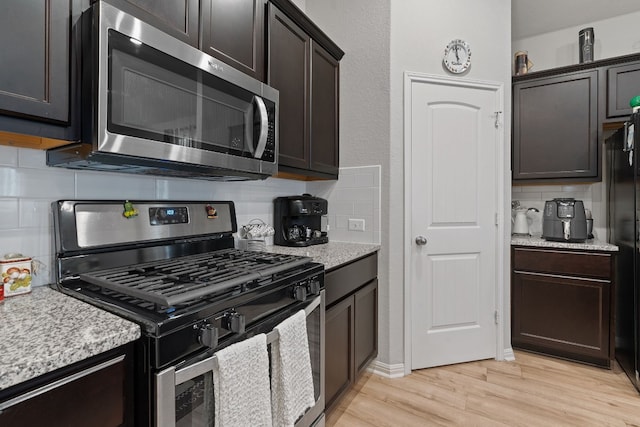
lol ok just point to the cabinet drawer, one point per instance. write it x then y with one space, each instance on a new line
583 264
345 280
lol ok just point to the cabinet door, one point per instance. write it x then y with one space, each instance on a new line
623 83
562 316
339 362
324 111
555 128
289 49
34 76
366 325
95 396
178 18
232 31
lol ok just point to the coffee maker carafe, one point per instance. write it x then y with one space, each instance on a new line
298 220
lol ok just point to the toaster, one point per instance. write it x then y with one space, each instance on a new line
564 220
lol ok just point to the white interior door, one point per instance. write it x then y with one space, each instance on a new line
454 134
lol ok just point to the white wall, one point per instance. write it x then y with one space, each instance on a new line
383 39
613 37
362 29
419 32
356 195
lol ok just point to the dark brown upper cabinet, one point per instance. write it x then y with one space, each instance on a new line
233 32
623 83
289 50
556 128
178 18
323 144
35 71
307 75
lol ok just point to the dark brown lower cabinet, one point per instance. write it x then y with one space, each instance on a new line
97 393
562 303
339 361
351 325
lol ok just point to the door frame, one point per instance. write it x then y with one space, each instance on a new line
501 316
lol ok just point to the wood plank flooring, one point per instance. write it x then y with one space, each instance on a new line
532 391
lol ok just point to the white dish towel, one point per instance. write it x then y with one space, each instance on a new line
291 376
241 384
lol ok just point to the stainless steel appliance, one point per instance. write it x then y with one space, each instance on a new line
299 220
171 267
623 184
564 220
154 105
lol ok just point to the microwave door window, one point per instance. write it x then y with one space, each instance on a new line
224 122
227 117
152 101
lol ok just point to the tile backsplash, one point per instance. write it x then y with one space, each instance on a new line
28 187
534 196
356 195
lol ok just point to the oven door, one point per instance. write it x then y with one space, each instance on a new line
157 97
184 397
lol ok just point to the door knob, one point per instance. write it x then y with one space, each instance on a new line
421 240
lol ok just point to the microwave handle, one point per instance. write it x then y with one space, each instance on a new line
264 128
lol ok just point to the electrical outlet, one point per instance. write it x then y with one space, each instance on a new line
356 224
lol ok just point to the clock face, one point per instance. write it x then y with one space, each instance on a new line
457 56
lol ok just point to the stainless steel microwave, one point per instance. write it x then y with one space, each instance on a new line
154 105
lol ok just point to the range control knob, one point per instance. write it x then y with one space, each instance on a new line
300 293
233 321
208 335
314 287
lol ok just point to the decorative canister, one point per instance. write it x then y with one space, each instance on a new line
16 271
586 40
522 63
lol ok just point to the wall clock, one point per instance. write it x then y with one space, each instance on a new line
457 56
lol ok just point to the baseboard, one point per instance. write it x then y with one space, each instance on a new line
509 355
386 370
397 370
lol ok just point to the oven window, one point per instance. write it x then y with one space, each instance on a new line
154 96
194 402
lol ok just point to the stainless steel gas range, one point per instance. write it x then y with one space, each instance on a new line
171 267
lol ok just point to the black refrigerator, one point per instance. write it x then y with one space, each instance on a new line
623 194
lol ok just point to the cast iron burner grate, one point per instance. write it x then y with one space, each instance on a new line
178 280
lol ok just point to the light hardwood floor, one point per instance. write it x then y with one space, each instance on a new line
532 391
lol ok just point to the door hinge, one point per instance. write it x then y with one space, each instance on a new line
496 316
497 124
497 218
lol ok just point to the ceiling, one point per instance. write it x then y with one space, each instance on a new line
533 17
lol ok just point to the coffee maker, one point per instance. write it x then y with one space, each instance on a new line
300 220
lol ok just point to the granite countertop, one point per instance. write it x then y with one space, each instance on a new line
332 254
46 330
588 245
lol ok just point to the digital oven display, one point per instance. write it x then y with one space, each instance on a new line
166 216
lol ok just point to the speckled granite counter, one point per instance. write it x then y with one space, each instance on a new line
589 245
332 254
46 330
